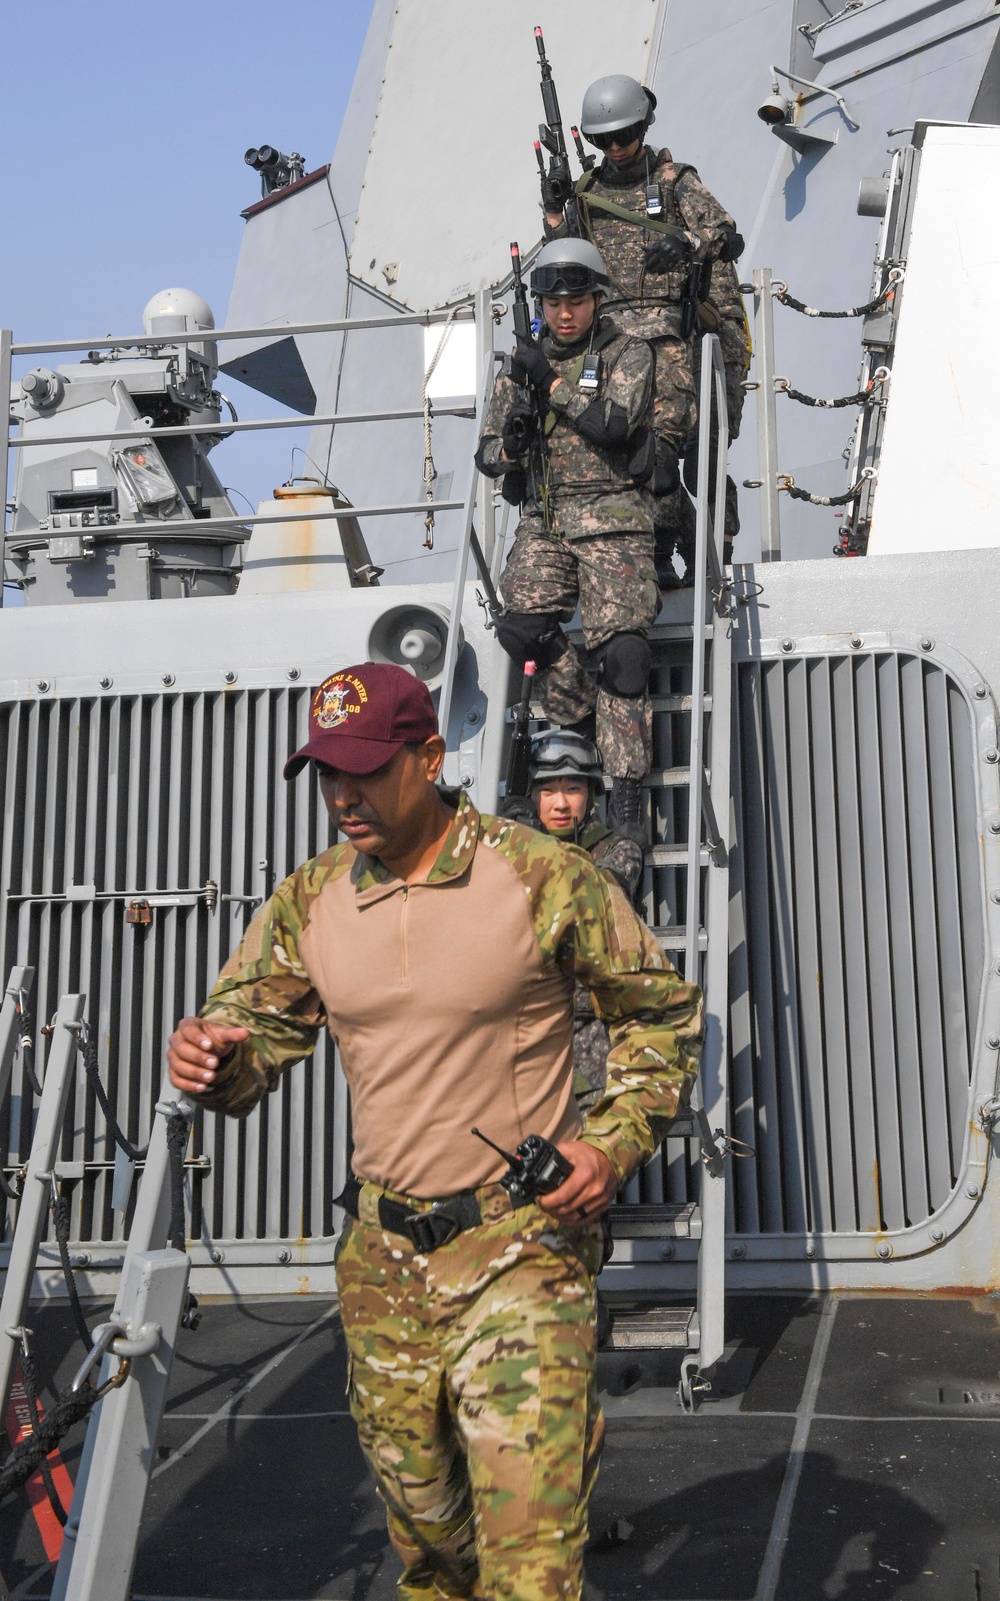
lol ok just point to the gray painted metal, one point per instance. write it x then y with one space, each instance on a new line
102 1531
400 319
38 1181
767 425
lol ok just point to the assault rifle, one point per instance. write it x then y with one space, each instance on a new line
558 188
519 761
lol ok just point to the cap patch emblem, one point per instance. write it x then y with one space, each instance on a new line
333 703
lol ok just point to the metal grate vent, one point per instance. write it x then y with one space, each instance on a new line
854 995
175 800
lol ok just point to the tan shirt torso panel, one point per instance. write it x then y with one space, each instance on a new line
445 1017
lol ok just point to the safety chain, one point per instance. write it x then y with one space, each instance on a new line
780 292
864 397
59 1207
178 1131
787 483
26 1459
430 471
87 1046
27 1365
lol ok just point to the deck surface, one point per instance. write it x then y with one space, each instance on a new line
851 1448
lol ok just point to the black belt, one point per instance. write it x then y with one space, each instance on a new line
426 1231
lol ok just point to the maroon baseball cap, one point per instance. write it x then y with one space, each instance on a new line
361 716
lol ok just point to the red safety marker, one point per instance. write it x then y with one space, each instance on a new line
19 1428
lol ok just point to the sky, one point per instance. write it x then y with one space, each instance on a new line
125 128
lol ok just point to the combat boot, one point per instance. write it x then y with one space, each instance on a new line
627 810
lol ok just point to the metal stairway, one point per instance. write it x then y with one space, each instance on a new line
681 1195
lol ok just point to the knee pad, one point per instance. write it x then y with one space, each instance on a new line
531 637
625 662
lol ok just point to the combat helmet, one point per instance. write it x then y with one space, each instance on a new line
563 753
569 267
615 105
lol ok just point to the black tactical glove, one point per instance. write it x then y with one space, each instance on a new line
731 244
552 195
519 429
529 365
665 254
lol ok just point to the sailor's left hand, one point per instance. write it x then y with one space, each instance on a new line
588 1191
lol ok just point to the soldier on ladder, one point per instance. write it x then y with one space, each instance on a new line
580 452
669 248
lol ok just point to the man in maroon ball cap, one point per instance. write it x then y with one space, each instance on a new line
440 947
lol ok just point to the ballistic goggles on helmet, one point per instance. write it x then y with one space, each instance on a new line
622 137
567 278
564 755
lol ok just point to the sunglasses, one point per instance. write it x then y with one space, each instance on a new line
622 137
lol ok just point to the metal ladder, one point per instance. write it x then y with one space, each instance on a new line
689 866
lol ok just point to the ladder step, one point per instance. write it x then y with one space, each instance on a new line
653 1328
673 1220
674 939
677 703
673 856
666 777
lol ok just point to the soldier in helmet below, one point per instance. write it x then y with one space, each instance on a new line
567 781
567 429
669 248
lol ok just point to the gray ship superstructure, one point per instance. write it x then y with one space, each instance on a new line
825 802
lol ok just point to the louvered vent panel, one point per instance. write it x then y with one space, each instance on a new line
145 795
854 998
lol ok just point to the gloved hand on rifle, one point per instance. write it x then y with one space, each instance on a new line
529 365
519 429
553 198
672 251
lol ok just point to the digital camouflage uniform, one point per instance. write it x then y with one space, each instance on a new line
473 1367
652 305
621 858
585 537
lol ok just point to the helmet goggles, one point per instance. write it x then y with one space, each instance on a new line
622 137
566 278
557 755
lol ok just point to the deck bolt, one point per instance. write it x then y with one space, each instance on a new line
883 1249
788 644
230 676
857 641
937 1234
467 780
42 685
972 1190
927 644
82 1259
666 1253
980 691
284 1255
993 1041
811 1251
995 897
739 1252
294 673
472 717
217 1256
106 682
992 754
168 679
995 826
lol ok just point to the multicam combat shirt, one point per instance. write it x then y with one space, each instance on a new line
451 1003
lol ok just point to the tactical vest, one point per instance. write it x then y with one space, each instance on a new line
675 284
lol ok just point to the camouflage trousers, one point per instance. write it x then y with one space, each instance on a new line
613 578
675 402
473 1386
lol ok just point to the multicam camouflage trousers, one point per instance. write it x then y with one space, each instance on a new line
473 1386
613 578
